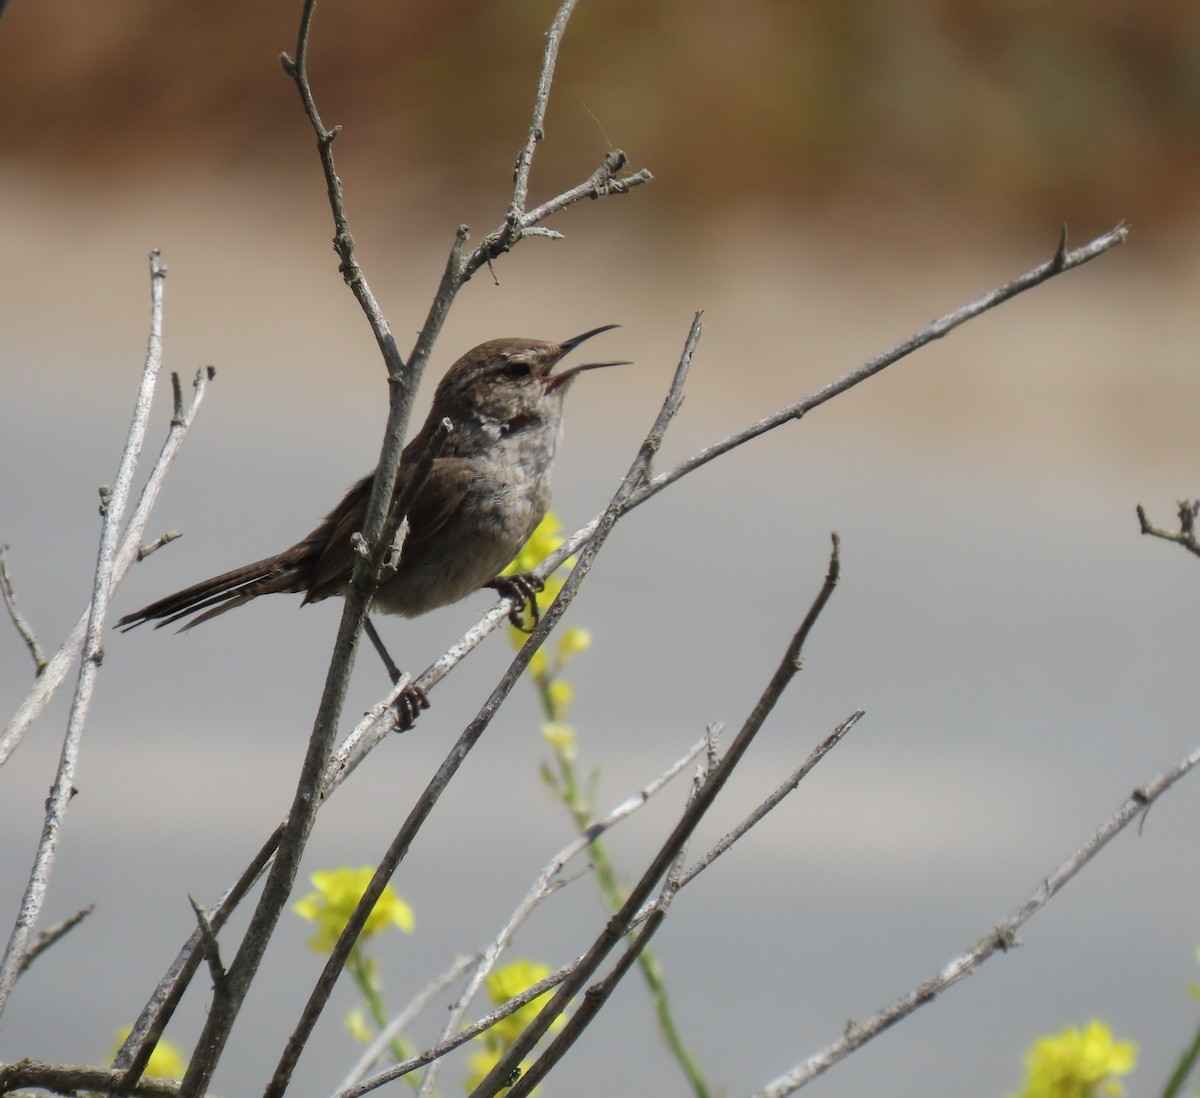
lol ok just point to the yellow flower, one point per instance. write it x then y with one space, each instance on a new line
165 1061
356 1023
337 894
560 736
574 640
512 979
559 694
1078 1063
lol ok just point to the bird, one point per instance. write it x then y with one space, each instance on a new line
487 490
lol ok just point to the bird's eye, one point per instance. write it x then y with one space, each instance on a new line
517 368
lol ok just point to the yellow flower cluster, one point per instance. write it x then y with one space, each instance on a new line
1078 1063
337 894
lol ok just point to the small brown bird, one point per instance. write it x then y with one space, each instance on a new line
482 499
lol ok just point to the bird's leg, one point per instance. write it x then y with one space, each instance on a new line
523 587
412 699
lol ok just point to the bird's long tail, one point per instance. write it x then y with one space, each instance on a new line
224 592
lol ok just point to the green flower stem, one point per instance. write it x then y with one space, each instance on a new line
1183 1069
613 896
361 969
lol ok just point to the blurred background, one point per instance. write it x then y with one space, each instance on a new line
829 176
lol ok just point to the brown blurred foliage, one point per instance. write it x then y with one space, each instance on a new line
1085 109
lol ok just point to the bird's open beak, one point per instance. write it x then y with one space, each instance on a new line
566 376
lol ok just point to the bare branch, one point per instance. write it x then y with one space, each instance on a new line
208 942
1186 536
1000 939
74 1080
63 789
135 1053
56 670
541 99
154 546
24 629
822 749
48 937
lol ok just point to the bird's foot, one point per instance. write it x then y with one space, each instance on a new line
523 588
408 706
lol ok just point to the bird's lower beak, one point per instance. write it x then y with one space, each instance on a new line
555 381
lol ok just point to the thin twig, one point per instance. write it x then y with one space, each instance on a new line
208 942
65 1079
819 752
154 546
134 1054
56 670
998 940
24 629
48 937
619 924
63 788
1186 535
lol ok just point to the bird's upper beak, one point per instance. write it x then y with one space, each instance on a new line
567 345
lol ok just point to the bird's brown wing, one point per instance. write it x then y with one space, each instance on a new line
451 476
426 516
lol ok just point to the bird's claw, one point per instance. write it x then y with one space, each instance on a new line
522 588
408 706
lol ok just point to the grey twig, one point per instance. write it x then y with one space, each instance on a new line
828 744
78 1080
541 99
1000 939
619 924
154 546
56 670
24 629
63 788
48 937
132 1057
1186 535
208 942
